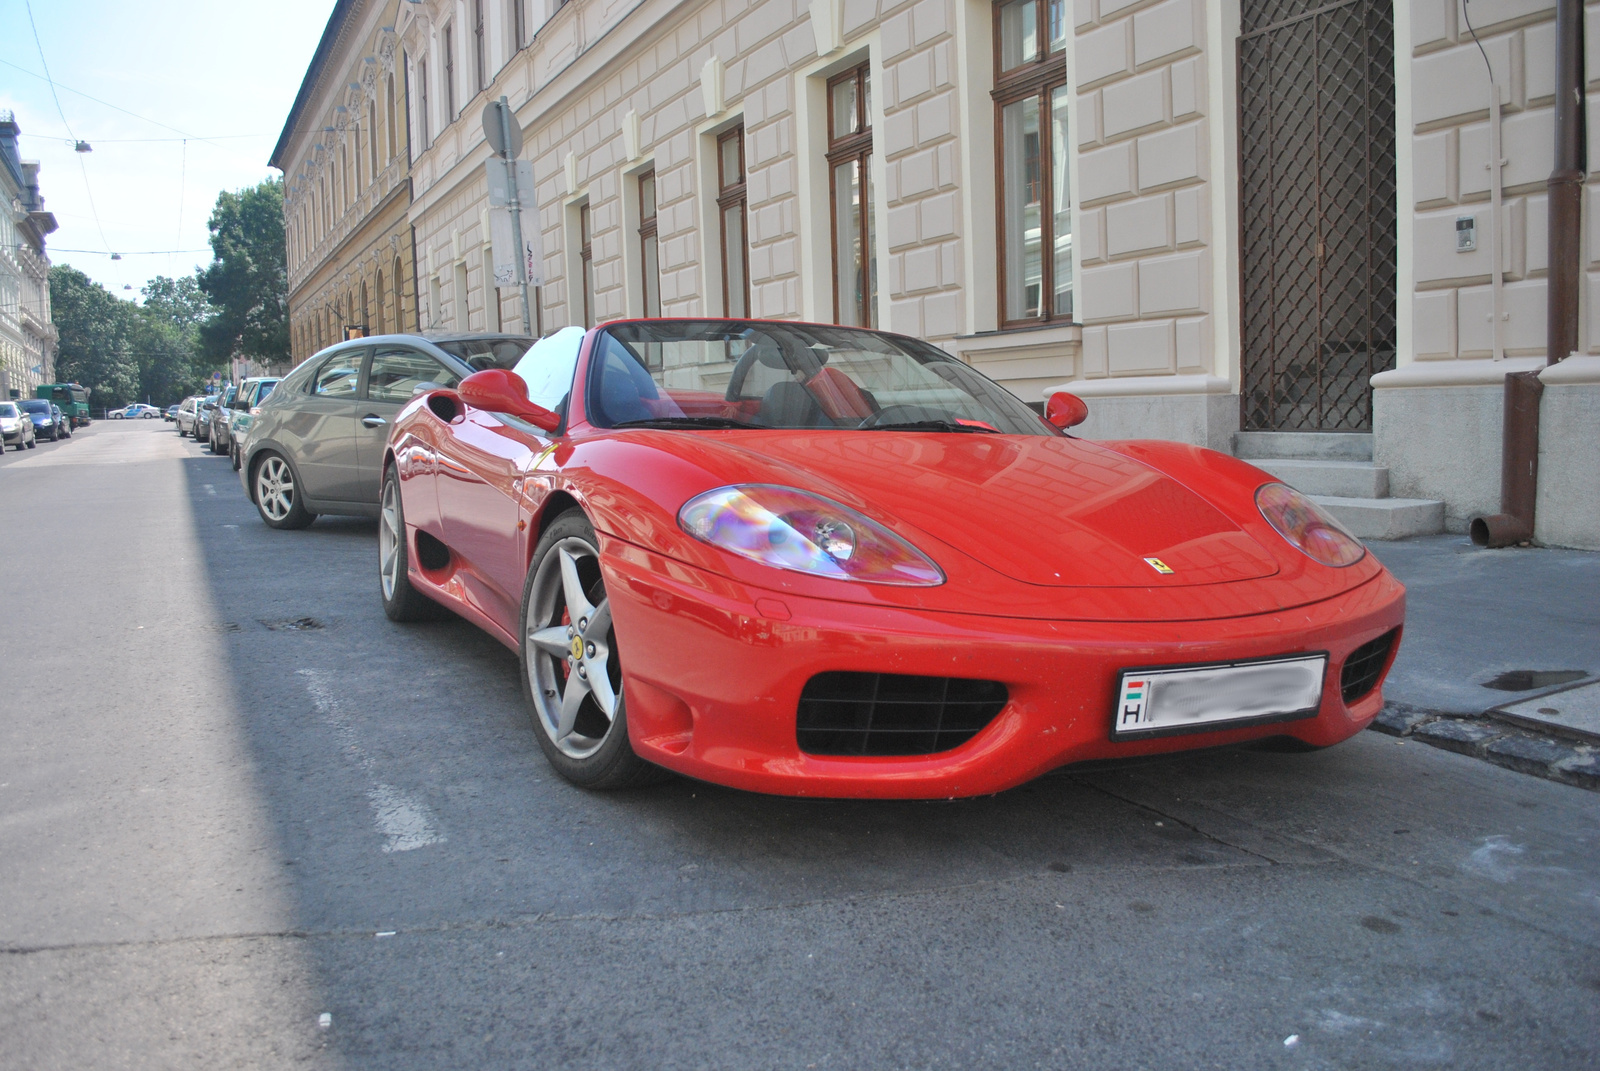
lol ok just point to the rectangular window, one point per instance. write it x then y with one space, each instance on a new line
422 101
372 136
449 75
480 45
586 259
491 294
388 104
519 23
731 202
459 296
1035 206
649 251
855 269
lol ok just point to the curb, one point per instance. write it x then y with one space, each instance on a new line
1525 752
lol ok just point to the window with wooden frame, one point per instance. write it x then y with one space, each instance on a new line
449 74
1035 204
649 250
422 103
855 269
586 260
731 209
519 24
372 136
480 46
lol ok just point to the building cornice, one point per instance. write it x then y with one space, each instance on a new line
334 36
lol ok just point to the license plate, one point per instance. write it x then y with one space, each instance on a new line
1158 701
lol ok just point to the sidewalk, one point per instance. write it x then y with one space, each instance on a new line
1488 630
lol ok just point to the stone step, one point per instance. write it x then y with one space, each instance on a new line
1385 518
1305 445
1344 479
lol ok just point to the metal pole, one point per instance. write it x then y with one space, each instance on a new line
516 214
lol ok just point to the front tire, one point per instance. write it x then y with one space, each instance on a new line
277 494
571 665
401 601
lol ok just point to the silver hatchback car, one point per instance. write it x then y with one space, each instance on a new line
316 445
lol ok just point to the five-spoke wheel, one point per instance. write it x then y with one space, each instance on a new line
572 672
277 498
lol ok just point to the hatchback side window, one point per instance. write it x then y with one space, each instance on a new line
338 376
396 373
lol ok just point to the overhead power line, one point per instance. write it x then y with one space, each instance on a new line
127 253
54 85
62 112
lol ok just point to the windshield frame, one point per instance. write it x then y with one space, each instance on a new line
1017 418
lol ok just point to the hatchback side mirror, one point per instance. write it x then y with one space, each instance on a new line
500 391
1065 410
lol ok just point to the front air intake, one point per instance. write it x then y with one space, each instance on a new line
1365 665
893 714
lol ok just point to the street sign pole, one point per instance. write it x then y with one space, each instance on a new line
515 205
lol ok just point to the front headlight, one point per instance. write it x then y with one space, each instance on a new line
1307 526
805 533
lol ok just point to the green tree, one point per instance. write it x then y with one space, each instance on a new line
180 302
248 279
168 338
96 345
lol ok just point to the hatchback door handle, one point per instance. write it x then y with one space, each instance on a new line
372 420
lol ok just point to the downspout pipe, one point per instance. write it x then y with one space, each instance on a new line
1519 466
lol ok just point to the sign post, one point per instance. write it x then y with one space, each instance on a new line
505 137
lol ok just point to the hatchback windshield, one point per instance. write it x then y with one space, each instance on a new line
42 408
8 410
722 374
481 353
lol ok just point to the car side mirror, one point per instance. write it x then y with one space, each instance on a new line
500 391
1065 410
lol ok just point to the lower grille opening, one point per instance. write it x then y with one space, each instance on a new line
432 554
1365 665
893 714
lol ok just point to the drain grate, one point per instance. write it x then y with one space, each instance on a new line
1528 680
298 624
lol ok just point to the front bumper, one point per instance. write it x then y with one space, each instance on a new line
713 681
17 435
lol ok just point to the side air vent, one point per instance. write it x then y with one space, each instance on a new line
892 714
1365 665
445 406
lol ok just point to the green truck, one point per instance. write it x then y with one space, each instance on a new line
71 398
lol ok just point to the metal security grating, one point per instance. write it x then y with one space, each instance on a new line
1317 211
1364 666
893 714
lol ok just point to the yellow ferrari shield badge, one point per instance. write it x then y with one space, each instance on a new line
1159 566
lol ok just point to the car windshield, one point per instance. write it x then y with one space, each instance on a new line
8 410
480 353
736 374
36 407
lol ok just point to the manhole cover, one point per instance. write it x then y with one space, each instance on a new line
298 624
1527 680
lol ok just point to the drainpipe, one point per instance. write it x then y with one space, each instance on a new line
1519 466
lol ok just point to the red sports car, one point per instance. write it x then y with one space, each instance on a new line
823 561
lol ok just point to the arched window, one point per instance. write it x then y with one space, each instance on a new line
366 311
381 318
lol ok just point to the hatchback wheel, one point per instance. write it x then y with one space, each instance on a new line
277 496
571 665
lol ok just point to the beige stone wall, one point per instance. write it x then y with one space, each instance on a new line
1144 198
610 88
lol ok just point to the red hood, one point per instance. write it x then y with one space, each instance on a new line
1043 510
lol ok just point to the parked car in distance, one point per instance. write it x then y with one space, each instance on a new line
136 411
16 427
202 416
317 444
45 422
63 421
217 435
172 412
187 412
246 404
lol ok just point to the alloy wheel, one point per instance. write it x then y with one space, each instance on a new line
573 668
389 537
275 488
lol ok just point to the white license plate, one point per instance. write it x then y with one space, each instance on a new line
1152 702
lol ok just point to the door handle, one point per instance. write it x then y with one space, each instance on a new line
373 420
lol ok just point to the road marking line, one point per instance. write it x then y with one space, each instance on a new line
405 821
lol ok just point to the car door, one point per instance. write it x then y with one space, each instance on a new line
320 431
393 376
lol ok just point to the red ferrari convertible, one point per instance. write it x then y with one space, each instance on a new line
816 560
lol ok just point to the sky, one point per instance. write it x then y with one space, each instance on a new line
209 83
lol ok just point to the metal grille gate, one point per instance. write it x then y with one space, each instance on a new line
1317 212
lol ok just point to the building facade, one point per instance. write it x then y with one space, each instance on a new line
27 335
1229 222
345 156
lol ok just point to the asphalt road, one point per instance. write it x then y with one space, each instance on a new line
235 798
